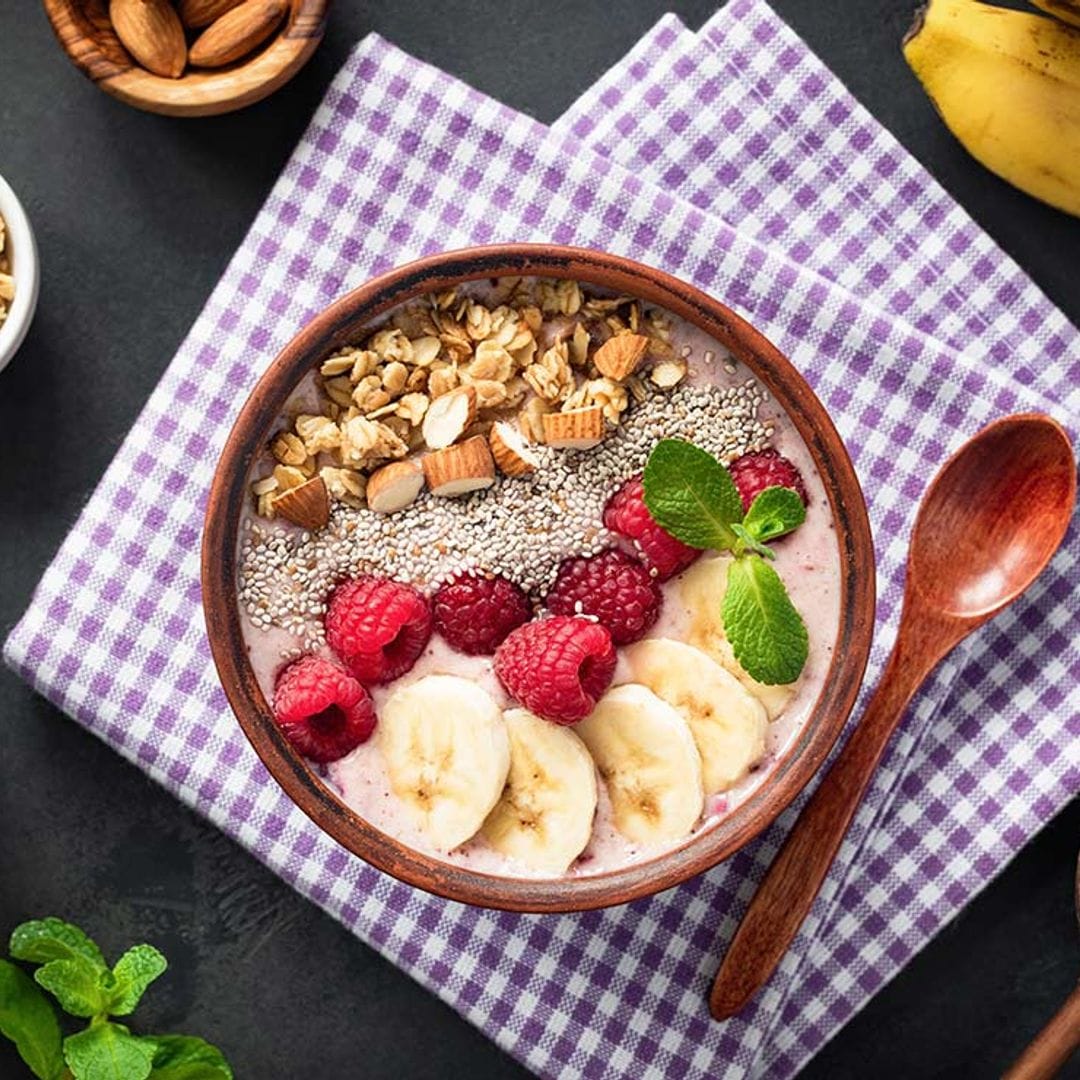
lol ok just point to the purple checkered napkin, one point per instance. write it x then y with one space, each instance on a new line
400 160
747 122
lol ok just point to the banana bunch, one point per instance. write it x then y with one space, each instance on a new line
1007 85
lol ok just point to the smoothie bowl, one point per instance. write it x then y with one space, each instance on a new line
536 577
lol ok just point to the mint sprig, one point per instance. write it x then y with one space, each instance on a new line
73 969
27 1019
691 495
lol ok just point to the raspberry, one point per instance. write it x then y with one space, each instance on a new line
378 628
627 515
557 667
613 586
474 613
321 709
753 473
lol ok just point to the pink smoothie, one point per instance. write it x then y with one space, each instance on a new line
808 560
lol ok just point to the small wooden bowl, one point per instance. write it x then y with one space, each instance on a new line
342 322
88 38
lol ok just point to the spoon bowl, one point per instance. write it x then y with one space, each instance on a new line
993 517
989 523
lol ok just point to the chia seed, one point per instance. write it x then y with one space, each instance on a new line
521 528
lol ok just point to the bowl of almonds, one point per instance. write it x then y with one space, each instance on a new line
188 57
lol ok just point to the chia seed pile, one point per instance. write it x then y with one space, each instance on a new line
521 528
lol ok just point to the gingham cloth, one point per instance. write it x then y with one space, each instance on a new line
401 160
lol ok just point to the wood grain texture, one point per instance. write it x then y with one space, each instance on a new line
84 31
1053 1046
341 323
989 523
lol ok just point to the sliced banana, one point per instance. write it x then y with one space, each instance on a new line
647 758
727 721
702 590
447 755
545 816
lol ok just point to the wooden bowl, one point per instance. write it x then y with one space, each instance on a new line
88 38
341 323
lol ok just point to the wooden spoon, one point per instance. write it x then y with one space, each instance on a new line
1059 1040
989 522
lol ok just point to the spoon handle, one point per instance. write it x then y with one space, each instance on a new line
787 892
1053 1046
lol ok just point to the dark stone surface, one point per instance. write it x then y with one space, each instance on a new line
136 216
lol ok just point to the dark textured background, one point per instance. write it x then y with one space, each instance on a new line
136 216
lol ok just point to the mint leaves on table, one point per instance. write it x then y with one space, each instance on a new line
691 495
72 969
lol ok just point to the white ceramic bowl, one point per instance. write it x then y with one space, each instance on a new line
22 251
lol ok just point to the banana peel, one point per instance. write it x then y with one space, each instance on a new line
1065 10
1007 85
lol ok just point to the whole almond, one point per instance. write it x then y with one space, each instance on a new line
198 13
237 32
150 30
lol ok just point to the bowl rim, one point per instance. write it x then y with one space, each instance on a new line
340 322
198 92
25 269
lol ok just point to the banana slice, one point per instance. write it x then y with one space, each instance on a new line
647 757
545 816
447 755
702 590
727 721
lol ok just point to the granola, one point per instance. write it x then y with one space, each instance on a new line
522 349
7 282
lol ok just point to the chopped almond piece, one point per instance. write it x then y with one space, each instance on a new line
307 505
448 416
508 449
576 429
460 469
620 355
668 373
395 486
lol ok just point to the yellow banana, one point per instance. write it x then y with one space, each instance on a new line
1007 84
1066 10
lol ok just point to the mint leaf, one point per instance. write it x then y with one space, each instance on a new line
749 543
78 984
28 1020
108 1051
134 972
775 512
691 495
48 939
766 633
184 1057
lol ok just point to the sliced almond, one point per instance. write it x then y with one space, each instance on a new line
620 355
457 470
236 32
307 505
448 416
508 449
395 486
576 429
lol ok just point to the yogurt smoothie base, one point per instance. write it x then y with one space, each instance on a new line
520 527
